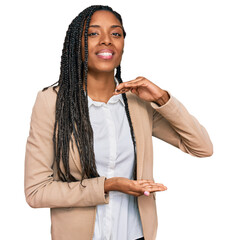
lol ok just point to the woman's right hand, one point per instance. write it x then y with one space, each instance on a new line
133 187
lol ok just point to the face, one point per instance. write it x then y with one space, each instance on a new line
106 35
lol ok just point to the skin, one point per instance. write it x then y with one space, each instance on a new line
101 87
100 77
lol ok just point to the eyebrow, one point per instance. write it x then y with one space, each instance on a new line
113 26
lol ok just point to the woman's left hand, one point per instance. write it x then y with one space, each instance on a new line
144 89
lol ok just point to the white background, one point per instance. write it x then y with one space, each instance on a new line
186 47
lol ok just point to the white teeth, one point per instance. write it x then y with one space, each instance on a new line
105 54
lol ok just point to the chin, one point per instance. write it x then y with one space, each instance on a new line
104 68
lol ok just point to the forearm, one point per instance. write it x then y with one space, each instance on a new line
56 194
173 124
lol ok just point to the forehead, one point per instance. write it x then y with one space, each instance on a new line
103 18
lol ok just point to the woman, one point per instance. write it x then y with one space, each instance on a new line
89 151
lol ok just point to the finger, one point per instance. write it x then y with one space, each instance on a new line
137 194
145 184
145 180
159 184
156 188
126 89
139 77
147 193
152 182
134 90
161 188
121 90
142 191
123 84
136 84
120 86
135 80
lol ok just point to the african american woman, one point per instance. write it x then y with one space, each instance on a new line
89 153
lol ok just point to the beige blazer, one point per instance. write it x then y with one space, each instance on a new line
72 207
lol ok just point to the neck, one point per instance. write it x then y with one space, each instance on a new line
100 86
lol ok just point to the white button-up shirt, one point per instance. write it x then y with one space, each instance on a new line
114 156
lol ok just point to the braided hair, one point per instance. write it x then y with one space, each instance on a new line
72 114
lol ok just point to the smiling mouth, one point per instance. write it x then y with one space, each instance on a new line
105 55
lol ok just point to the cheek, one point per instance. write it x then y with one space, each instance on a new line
121 47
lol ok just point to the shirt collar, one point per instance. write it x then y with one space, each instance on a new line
113 99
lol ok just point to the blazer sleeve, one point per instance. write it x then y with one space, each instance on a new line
41 190
173 124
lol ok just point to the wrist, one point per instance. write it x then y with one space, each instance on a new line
163 99
110 184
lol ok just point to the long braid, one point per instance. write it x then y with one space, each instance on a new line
118 76
72 122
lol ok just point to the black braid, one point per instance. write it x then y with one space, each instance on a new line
118 76
72 122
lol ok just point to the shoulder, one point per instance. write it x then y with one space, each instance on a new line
45 102
49 94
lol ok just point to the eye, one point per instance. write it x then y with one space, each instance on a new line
91 34
94 33
119 35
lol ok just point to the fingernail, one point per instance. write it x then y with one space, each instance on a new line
146 193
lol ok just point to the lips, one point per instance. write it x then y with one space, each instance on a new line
105 50
105 54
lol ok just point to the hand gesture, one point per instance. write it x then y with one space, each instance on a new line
133 187
144 89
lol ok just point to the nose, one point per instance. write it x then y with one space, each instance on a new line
105 39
